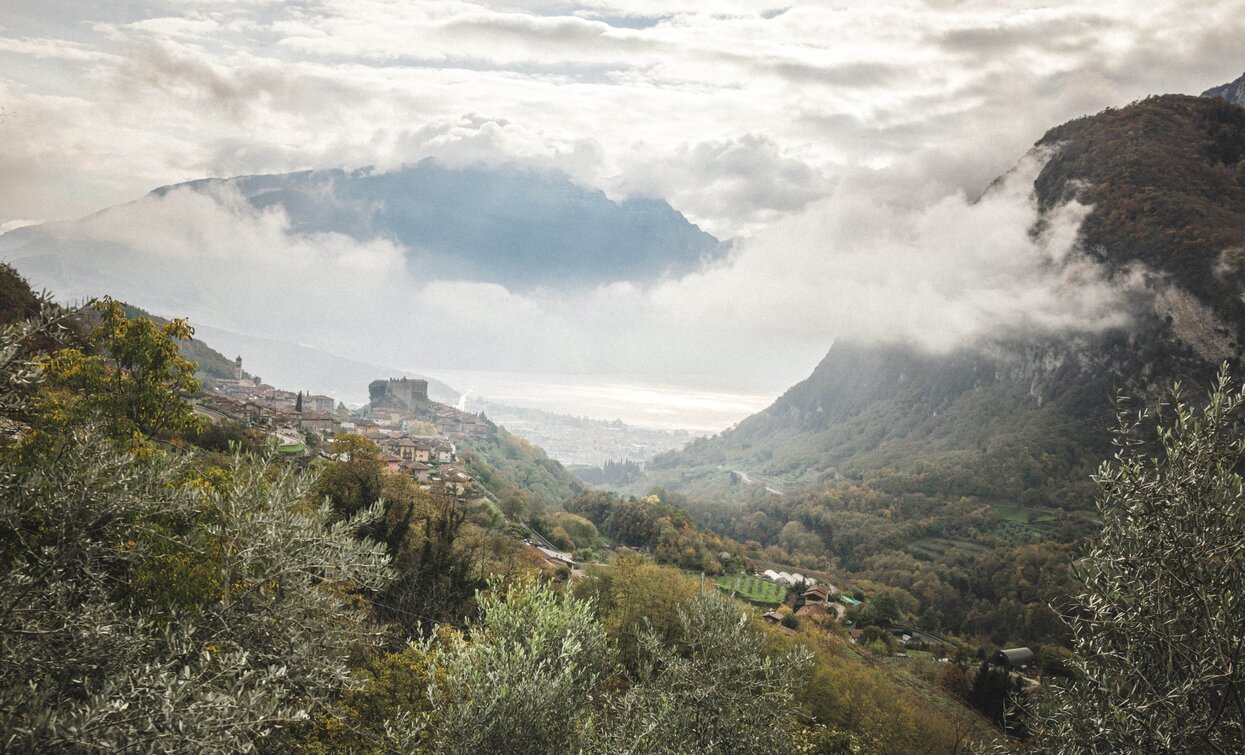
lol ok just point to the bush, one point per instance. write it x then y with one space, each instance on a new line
1160 627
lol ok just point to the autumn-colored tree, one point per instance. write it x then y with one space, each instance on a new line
130 374
354 480
635 596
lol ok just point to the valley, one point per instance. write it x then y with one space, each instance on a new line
614 378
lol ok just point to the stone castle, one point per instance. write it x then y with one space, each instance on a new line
399 393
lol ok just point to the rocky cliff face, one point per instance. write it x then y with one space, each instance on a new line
1232 92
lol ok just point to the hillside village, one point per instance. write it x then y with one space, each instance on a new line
416 436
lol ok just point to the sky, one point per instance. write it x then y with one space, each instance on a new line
841 146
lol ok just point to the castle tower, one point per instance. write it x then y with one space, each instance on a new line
237 363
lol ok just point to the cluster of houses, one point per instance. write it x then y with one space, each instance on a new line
414 436
431 459
261 405
816 602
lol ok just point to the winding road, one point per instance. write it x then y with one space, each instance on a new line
744 476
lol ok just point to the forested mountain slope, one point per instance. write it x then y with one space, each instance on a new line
1024 417
960 480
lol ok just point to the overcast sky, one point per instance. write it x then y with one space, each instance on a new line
841 143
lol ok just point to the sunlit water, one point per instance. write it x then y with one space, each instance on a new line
608 397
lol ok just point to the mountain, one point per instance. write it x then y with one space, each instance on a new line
1024 419
1165 178
1232 92
517 227
960 480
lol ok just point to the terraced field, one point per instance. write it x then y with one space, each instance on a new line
752 588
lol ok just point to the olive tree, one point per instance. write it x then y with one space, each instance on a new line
1159 631
149 605
518 680
713 689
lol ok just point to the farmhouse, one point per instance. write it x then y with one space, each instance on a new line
319 422
817 594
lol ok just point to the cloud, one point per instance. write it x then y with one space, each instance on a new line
843 146
182 70
751 180
875 265
175 89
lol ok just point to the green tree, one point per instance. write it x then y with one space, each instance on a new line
131 373
713 689
517 680
1160 627
880 610
23 347
148 607
636 596
353 481
439 567
581 532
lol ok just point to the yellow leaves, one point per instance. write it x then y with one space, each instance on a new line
132 378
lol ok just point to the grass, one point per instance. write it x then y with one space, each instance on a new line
1021 515
752 588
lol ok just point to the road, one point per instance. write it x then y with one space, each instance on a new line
744 476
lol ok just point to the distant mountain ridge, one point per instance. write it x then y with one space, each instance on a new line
519 227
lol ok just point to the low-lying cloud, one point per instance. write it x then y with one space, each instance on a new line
867 264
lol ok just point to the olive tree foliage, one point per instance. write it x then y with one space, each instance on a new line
20 372
517 681
538 674
148 607
1160 629
712 690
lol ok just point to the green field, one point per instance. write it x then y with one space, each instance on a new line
754 589
1010 513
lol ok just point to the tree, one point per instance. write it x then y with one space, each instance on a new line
131 372
1159 631
353 482
438 567
637 596
997 696
298 402
537 673
148 606
516 681
879 610
23 346
713 689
